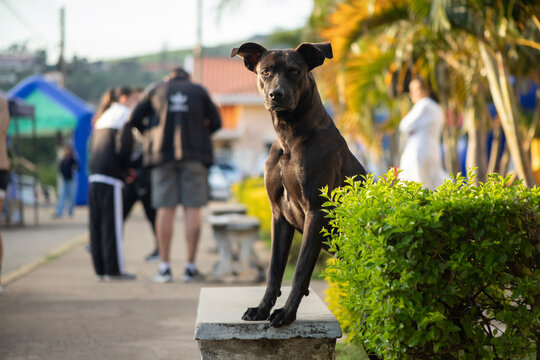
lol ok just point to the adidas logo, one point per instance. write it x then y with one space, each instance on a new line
178 102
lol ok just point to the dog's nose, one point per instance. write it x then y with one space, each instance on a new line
276 94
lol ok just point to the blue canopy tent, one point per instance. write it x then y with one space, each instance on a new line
58 109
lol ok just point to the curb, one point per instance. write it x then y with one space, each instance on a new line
25 270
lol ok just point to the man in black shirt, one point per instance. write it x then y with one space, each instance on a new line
179 149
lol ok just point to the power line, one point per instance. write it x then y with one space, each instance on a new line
21 18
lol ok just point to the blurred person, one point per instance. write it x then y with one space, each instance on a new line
108 171
4 164
67 186
140 190
179 149
421 160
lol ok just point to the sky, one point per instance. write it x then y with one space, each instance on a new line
109 29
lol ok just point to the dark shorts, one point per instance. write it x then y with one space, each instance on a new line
184 182
4 180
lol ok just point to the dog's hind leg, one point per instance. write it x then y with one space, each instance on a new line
309 251
282 235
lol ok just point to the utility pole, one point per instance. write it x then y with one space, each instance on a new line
197 52
61 61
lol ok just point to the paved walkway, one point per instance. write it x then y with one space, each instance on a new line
25 247
53 308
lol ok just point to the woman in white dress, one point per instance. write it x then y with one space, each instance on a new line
421 160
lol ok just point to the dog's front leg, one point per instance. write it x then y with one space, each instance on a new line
282 235
309 251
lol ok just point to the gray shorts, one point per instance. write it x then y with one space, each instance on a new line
184 182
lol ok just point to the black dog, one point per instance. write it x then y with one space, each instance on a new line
308 154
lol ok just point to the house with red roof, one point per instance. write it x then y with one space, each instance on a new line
247 130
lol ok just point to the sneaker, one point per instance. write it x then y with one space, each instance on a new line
121 277
100 278
153 256
163 277
193 276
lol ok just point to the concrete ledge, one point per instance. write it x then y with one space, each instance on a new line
266 349
219 316
222 334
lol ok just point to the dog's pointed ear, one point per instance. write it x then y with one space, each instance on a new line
250 52
314 54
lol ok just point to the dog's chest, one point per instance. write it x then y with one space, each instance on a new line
292 175
293 202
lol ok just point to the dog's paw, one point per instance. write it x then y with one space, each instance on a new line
282 317
255 314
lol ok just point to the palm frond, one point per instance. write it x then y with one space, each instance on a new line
420 8
355 19
438 16
362 72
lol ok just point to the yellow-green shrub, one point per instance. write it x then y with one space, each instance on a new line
252 193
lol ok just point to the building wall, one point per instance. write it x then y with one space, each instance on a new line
245 136
257 134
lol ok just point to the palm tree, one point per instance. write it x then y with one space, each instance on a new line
497 44
474 42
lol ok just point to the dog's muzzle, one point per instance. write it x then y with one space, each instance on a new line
276 100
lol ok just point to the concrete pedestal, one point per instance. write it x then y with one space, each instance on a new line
222 334
238 231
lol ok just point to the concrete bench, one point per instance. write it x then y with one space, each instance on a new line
227 209
222 334
236 232
219 209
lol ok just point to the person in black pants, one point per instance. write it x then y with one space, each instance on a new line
139 190
109 169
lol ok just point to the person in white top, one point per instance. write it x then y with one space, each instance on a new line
421 160
109 168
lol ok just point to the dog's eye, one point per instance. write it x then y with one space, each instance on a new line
265 72
294 72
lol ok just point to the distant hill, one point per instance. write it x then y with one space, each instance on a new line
90 80
154 57
278 39
178 56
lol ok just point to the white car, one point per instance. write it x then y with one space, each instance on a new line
231 171
220 187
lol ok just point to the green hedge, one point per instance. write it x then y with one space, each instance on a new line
446 274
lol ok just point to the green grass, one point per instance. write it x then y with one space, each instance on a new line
350 352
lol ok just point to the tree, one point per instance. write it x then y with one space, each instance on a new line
476 42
